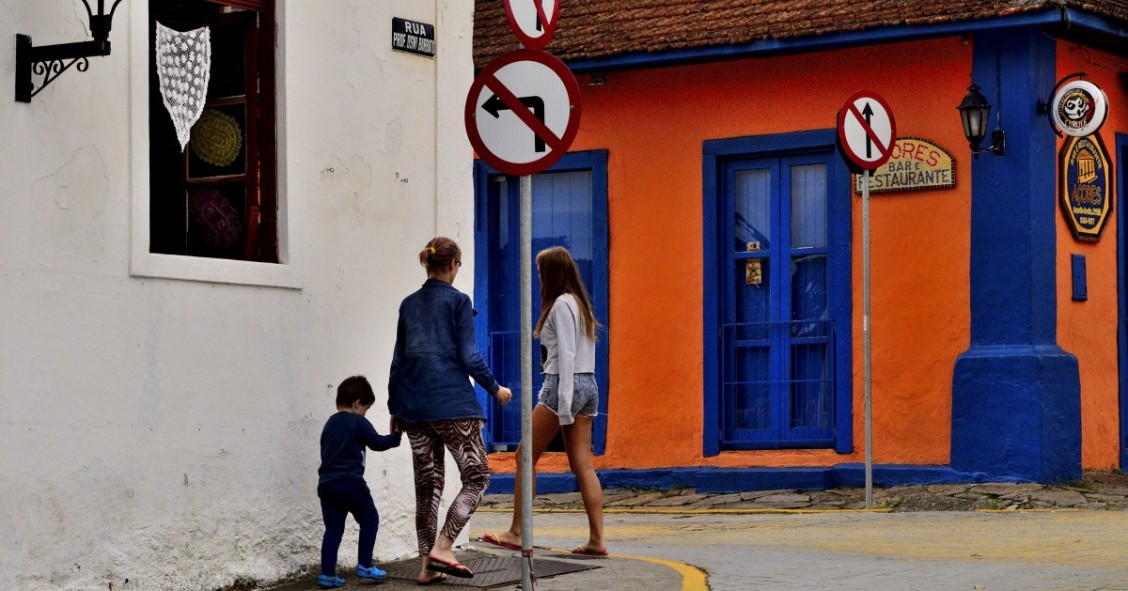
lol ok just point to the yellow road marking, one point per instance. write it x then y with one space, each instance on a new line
661 511
693 578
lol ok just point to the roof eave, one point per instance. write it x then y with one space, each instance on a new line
1064 18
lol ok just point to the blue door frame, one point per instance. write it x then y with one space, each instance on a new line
486 211
716 155
1122 282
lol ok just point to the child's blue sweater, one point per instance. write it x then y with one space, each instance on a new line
343 443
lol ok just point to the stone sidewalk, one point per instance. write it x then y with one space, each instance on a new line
1097 490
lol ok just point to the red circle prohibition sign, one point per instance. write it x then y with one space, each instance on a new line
548 94
866 129
543 13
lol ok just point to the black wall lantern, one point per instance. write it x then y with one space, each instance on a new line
50 61
974 113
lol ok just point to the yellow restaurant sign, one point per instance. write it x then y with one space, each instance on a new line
915 164
1086 189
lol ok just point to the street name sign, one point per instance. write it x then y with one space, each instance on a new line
413 37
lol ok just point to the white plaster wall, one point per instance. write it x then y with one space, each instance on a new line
164 430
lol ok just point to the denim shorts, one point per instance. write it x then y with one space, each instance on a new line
585 394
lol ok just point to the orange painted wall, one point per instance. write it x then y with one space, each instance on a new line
653 124
1088 329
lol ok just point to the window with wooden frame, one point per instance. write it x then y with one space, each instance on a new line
218 197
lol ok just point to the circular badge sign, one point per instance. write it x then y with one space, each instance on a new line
1079 108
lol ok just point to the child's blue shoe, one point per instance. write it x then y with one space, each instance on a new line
328 582
372 573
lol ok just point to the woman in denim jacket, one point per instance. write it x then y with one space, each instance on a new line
431 399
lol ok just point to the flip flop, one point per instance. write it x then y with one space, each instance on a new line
454 569
439 578
494 540
585 551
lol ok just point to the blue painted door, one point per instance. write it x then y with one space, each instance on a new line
1122 328
570 210
777 333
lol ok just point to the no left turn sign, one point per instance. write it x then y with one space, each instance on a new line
523 111
866 130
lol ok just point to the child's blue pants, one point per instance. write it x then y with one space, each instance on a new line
338 499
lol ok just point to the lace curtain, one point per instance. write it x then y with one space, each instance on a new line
183 68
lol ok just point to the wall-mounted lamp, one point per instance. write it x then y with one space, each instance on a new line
974 113
50 61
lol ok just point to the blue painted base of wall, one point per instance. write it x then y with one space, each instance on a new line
1016 414
723 480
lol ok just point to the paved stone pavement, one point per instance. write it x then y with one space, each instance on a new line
1097 490
1039 550
638 563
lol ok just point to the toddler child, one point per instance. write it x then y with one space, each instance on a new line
341 485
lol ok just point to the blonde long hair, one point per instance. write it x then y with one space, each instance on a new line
560 275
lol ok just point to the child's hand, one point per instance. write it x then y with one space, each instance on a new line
503 394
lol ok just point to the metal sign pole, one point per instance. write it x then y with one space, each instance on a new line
866 122
866 328
552 89
526 459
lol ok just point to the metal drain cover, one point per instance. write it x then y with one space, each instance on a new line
493 571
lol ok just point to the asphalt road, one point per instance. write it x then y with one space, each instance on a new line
850 551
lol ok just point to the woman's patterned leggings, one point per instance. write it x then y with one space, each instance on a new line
463 437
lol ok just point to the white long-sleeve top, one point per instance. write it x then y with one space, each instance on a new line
569 350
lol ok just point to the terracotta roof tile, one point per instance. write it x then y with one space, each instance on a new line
600 28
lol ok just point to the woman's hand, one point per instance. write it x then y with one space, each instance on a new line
503 394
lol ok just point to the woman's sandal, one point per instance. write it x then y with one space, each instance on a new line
454 569
495 540
438 578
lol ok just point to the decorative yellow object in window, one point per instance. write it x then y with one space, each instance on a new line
753 268
217 138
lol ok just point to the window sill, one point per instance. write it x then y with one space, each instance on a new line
165 266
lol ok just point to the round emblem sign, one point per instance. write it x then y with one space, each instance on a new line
1079 108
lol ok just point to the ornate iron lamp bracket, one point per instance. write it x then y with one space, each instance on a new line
50 61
